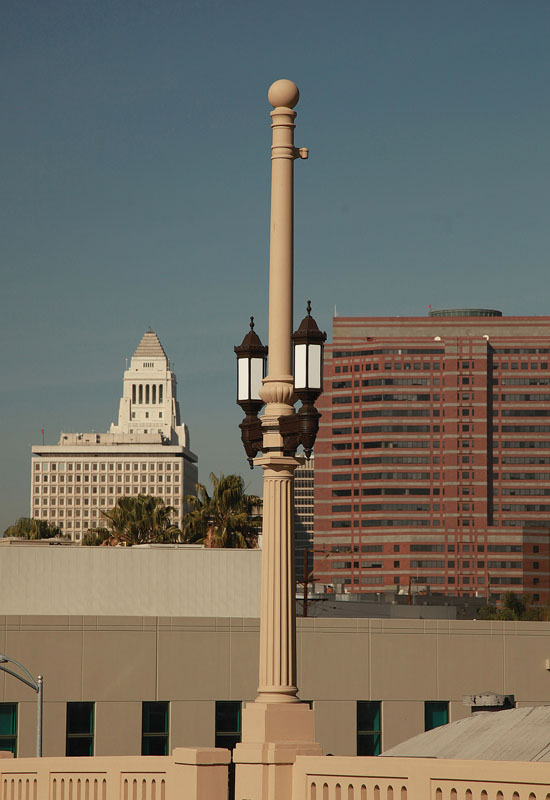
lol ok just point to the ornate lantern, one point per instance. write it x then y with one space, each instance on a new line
308 359
302 427
251 362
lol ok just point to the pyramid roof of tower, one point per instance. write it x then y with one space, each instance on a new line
150 346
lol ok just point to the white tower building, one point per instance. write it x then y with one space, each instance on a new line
148 403
146 452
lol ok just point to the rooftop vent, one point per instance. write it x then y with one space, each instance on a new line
488 701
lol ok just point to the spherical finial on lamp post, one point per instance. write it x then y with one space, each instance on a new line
283 93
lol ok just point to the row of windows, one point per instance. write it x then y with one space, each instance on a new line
519 398
527 429
516 381
434 548
522 492
524 460
365 548
379 398
517 507
43 484
524 365
522 350
59 491
399 382
394 490
376 476
435 564
395 367
399 460
400 507
407 351
523 476
80 727
86 466
540 444
522 412
384 523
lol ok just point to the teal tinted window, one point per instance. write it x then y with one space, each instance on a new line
228 723
8 727
80 729
369 728
436 713
154 729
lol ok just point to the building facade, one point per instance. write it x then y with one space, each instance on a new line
146 452
108 679
303 519
433 456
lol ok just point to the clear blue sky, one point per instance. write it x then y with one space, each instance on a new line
135 188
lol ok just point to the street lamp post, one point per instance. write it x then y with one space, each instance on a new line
36 685
277 726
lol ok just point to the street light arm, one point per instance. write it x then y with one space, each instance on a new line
33 685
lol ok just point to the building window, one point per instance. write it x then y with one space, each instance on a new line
8 727
80 729
228 723
154 729
369 728
436 713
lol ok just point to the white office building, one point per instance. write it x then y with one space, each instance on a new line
146 452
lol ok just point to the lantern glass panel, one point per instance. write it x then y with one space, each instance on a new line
242 379
256 375
300 366
314 366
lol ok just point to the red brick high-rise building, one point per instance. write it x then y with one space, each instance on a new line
432 463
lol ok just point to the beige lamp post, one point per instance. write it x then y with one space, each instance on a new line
277 726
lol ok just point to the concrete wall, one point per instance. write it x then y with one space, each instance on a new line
118 662
172 581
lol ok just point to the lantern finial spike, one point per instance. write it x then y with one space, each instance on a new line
309 308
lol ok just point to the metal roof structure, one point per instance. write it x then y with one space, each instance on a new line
520 734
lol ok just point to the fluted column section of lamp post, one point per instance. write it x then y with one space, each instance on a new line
278 619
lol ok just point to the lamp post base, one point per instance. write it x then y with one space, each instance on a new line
273 734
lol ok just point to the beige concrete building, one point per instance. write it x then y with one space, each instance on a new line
146 452
147 580
201 669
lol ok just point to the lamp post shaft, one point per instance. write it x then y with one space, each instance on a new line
281 255
278 618
39 715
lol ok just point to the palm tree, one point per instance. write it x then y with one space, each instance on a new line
227 518
139 520
31 528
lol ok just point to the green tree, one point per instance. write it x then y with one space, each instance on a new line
139 520
514 607
95 537
227 518
31 528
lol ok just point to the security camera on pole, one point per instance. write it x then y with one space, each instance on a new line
277 726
